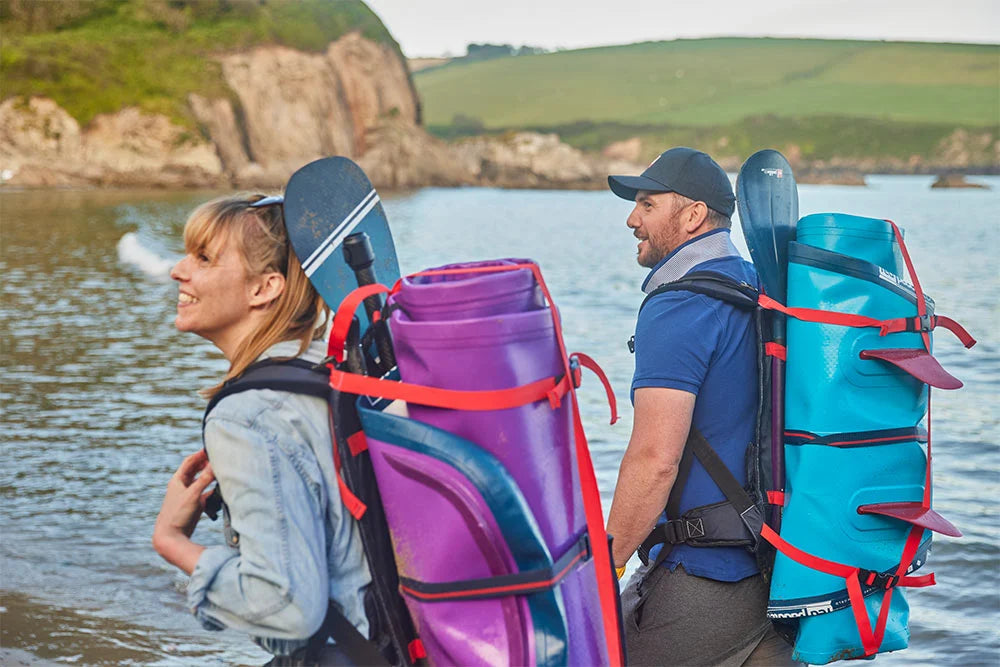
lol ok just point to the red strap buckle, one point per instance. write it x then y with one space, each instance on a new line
883 580
417 650
777 498
776 350
357 443
354 505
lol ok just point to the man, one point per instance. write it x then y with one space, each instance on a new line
695 375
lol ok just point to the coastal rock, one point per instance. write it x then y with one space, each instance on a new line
218 118
297 107
629 150
37 125
136 148
37 137
403 155
41 145
955 181
965 149
528 160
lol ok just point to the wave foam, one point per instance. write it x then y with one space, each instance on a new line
131 251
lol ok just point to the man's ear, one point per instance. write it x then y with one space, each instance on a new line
266 288
694 217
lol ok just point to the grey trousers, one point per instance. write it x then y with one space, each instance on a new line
676 618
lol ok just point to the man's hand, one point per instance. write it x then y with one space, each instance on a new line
182 506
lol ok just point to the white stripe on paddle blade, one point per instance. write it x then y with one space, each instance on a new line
353 219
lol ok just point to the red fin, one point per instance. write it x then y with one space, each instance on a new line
914 513
918 363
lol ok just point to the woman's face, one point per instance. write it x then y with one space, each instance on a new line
214 299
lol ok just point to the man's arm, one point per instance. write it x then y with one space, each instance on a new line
662 420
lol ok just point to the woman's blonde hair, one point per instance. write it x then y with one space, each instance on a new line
259 234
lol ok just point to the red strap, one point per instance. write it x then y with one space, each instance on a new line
822 316
871 639
345 313
921 303
497 399
417 650
861 613
590 364
956 328
351 501
353 504
839 569
779 498
895 325
357 443
776 350
607 583
928 478
803 558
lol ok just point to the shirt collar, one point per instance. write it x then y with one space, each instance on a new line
710 245
290 348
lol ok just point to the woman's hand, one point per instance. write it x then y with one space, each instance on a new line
182 507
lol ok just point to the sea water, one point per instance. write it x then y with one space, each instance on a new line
99 395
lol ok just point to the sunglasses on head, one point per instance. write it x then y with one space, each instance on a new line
268 201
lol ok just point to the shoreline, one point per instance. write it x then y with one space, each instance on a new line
952 179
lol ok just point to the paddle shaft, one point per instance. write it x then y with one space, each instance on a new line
360 257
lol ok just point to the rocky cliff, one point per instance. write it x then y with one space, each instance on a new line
285 108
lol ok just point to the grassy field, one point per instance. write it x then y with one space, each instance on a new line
95 56
716 83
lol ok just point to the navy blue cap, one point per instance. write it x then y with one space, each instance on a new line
685 171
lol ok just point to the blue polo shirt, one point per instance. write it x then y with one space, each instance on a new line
706 347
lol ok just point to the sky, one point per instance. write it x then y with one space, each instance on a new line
445 27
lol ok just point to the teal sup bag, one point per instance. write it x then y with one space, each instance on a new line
856 521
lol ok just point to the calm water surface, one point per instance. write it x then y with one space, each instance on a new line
99 401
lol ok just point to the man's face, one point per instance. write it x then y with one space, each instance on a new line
655 221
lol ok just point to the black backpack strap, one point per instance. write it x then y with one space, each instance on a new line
735 521
714 285
352 643
297 376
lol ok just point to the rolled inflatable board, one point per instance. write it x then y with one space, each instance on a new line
498 490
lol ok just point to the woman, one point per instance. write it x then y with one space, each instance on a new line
290 546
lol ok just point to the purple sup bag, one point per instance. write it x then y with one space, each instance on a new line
477 497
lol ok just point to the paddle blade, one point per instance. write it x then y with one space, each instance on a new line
325 201
768 203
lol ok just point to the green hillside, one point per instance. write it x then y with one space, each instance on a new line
719 88
95 56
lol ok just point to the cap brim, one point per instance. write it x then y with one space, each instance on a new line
626 187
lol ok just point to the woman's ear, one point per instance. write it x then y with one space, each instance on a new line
266 288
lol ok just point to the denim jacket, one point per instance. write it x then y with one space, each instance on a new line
290 544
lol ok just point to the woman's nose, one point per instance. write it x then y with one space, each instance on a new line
178 273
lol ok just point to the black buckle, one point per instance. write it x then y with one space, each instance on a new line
673 531
921 323
880 580
631 344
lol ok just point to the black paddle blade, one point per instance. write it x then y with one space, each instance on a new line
325 202
768 202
